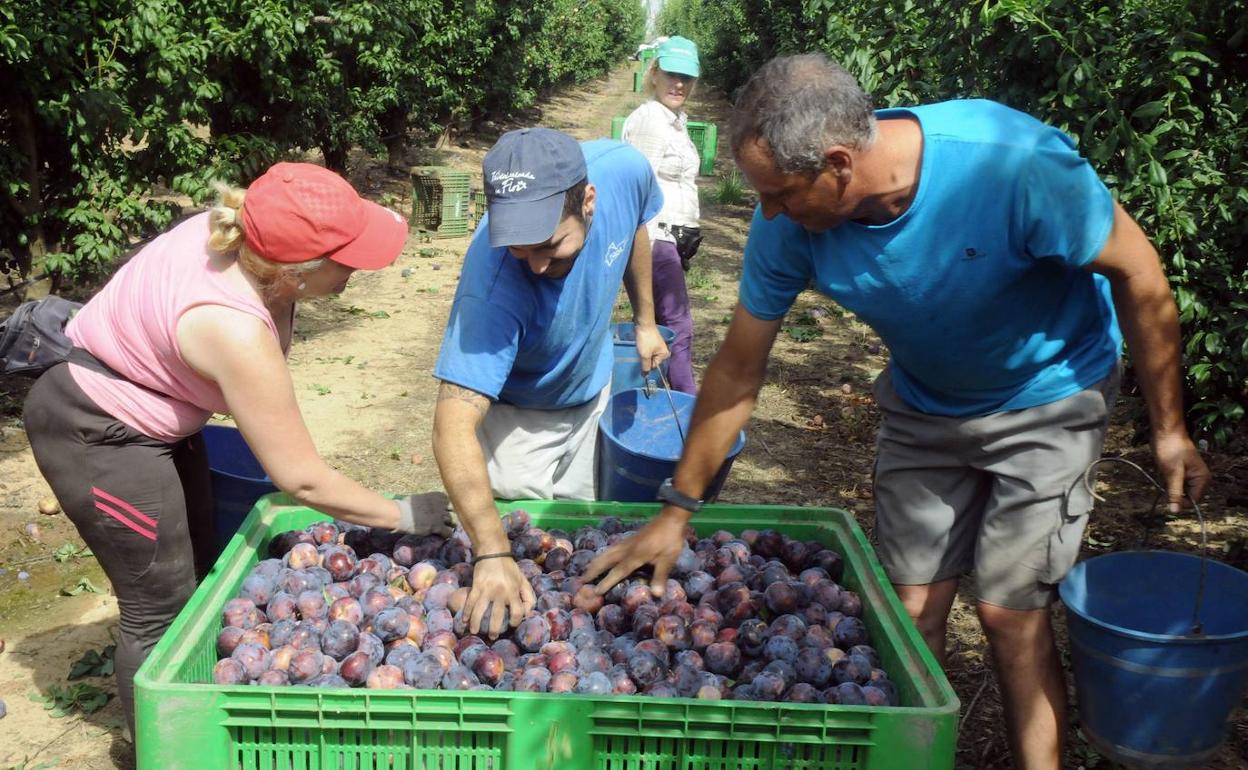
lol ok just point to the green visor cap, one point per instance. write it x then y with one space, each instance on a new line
679 55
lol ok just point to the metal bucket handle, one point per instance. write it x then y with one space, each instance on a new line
1197 627
649 391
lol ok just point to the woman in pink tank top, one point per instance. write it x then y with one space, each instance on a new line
199 322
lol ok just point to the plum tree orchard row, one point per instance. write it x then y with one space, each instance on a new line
101 100
1155 92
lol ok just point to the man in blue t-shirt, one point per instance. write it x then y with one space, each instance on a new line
1003 277
526 361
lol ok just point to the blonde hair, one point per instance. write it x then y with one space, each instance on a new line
226 235
650 89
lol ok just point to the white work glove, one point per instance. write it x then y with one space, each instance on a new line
427 513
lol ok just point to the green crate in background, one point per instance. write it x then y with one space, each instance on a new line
186 722
478 207
638 79
705 137
440 201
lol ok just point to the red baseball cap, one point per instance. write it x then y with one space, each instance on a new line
298 211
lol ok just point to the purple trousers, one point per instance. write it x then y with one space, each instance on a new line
671 309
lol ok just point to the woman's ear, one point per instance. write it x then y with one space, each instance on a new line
291 282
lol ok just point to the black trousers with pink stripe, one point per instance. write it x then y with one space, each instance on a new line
142 505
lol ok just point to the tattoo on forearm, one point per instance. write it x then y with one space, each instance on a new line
451 392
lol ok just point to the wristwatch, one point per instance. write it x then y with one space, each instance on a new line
669 494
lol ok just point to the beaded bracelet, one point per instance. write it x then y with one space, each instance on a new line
483 557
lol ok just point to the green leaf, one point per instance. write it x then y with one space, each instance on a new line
1178 56
1149 111
62 701
94 663
804 333
1156 174
83 584
69 551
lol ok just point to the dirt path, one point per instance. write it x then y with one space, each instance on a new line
362 366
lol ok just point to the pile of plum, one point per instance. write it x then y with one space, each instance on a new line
757 617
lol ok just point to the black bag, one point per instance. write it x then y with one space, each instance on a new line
33 338
688 239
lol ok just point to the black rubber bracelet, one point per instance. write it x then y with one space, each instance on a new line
483 557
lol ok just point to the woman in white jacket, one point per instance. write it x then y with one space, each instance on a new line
658 129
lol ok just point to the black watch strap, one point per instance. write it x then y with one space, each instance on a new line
669 494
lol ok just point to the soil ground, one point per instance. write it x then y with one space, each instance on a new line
362 363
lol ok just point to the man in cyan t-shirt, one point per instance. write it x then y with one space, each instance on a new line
525 365
1003 277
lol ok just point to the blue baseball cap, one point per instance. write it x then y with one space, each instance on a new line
528 173
679 55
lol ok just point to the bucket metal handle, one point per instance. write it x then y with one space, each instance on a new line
1197 626
649 390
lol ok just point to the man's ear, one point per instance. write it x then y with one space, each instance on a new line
591 198
840 161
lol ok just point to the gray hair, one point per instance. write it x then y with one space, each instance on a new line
801 105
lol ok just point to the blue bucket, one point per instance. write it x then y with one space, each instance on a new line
238 479
627 371
638 446
1152 693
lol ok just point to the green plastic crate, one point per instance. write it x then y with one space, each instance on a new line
440 198
705 137
186 722
478 207
638 79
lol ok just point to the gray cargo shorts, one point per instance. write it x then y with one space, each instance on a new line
999 495
542 454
